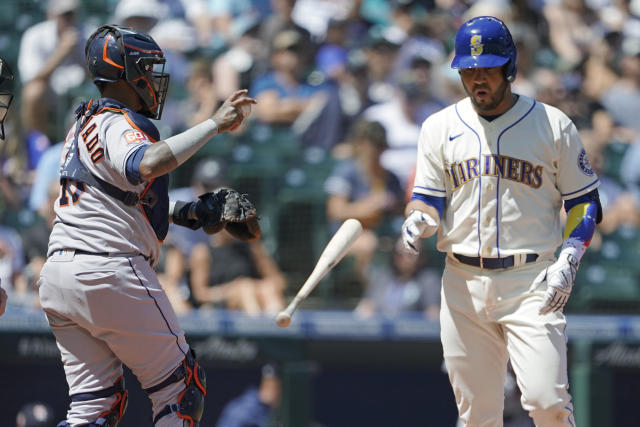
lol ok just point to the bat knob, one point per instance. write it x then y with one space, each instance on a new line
283 319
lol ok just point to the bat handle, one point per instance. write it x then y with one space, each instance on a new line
284 317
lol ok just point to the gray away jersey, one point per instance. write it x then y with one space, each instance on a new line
87 218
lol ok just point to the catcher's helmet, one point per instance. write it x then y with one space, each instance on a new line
5 95
115 52
485 41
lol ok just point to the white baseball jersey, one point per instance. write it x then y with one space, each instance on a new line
86 217
504 180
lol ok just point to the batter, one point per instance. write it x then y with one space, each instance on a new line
98 287
493 172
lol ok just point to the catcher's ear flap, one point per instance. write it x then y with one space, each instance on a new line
246 231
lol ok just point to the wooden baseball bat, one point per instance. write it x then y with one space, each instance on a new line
331 255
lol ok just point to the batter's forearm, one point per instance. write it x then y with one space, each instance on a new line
581 224
423 207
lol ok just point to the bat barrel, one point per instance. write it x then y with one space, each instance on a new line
331 255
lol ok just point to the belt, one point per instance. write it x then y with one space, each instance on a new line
496 263
108 254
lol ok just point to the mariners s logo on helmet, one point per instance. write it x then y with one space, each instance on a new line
476 44
485 42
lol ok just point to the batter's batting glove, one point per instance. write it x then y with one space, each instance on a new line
415 226
559 277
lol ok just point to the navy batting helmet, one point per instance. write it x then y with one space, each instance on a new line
484 42
5 96
115 52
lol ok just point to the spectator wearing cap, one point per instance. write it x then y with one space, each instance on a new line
281 19
419 49
50 62
402 115
361 187
256 406
282 93
381 49
139 14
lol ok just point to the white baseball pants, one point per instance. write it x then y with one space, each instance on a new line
487 317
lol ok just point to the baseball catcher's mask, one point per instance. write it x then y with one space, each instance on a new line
5 96
485 42
115 52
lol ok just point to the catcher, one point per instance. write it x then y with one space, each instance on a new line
5 101
98 288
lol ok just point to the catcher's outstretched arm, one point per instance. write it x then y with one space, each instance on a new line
164 156
214 211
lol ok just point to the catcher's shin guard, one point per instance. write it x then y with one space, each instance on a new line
109 418
190 405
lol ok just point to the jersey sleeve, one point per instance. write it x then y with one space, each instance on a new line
121 139
429 178
575 173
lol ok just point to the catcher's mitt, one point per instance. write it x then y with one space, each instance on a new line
231 210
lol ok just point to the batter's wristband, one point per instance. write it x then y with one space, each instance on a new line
186 144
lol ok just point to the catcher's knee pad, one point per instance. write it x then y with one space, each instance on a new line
109 418
190 404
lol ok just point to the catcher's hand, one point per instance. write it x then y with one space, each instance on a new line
230 210
559 277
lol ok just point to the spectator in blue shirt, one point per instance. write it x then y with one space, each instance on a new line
282 94
361 188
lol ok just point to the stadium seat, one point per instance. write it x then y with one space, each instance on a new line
613 155
605 287
622 247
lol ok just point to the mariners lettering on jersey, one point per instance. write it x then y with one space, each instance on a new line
90 139
494 165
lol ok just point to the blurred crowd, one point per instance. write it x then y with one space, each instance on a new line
342 89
